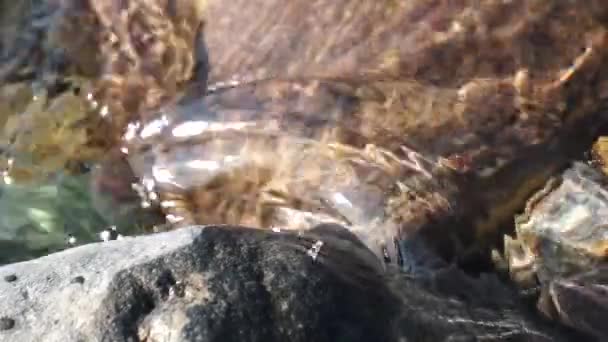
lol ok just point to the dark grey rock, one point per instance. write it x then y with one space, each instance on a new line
581 301
78 279
10 278
6 323
241 284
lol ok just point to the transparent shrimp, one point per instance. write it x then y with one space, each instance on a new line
289 164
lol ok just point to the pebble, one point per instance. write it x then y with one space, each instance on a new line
10 278
6 323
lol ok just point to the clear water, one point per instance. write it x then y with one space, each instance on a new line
39 218
44 217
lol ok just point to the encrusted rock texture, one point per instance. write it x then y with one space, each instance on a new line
239 284
493 75
519 70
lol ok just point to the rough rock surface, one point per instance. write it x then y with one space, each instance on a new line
420 39
218 284
561 248
525 68
581 301
563 230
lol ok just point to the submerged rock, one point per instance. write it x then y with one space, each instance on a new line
447 44
512 90
232 283
525 68
581 301
563 230
561 244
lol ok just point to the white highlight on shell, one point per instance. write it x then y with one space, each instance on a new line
131 130
194 128
574 218
209 165
314 250
161 175
153 196
168 204
340 199
154 127
72 240
174 218
456 27
148 183
104 111
145 190
190 128
8 180
105 236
